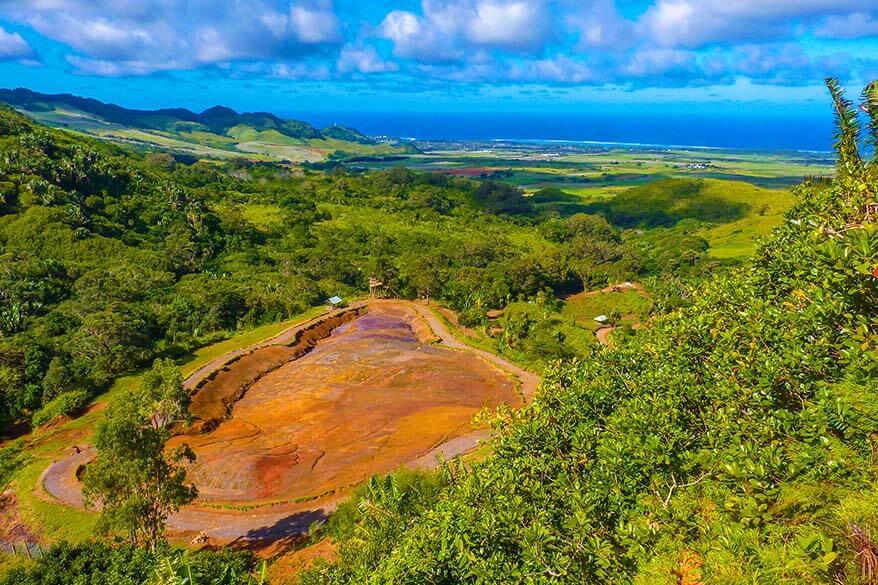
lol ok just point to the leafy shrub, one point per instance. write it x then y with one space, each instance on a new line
94 563
65 404
732 441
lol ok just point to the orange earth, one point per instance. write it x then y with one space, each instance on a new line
286 426
372 396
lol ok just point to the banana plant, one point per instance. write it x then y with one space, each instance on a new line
179 569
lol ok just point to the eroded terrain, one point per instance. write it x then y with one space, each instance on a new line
372 396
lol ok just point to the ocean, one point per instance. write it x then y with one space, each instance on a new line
757 132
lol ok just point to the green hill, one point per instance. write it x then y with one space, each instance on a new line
213 133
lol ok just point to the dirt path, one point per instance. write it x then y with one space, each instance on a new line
255 529
261 527
60 481
528 380
603 335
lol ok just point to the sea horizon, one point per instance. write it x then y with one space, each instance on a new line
804 133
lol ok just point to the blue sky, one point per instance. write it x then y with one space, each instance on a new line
442 55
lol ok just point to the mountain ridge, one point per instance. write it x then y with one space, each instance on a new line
218 119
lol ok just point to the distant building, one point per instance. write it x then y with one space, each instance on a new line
335 302
602 319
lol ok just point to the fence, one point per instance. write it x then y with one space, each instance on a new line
31 550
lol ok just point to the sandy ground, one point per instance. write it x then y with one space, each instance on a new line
374 395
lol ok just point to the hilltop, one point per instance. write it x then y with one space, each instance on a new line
217 132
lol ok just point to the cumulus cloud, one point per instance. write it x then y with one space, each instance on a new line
450 29
13 46
600 25
695 23
656 62
296 71
848 26
363 59
118 37
560 69
662 43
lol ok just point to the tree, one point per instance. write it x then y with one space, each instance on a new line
847 129
136 480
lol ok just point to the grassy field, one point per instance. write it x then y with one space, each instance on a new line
600 167
581 309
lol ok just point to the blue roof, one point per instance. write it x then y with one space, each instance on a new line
335 300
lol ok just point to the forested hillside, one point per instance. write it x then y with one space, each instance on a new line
734 441
217 119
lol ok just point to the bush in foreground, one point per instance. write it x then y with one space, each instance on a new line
732 442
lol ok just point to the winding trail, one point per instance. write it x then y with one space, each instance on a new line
269 527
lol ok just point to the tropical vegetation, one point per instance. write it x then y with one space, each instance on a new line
731 440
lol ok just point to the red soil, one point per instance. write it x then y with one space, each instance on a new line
366 400
12 528
285 569
380 392
218 392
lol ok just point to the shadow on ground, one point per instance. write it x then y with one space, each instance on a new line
283 535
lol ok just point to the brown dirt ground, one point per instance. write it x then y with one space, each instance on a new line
366 400
378 393
216 393
12 529
284 570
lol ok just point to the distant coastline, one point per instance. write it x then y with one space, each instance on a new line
754 133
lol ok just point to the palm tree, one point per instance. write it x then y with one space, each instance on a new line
870 106
847 130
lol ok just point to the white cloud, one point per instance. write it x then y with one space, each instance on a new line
296 71
529 41
13 46
451 29
695 23
159 35
315 24
106 68
655 62
517 24
555 70
599 24
363 60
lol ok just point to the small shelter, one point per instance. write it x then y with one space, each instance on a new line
602 319
335 302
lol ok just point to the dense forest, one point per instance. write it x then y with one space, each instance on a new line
732 440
